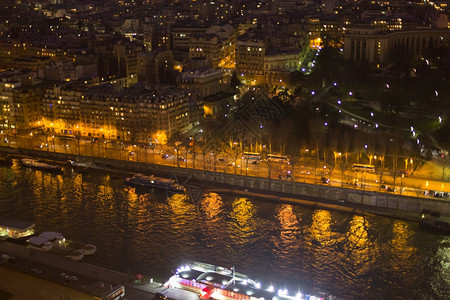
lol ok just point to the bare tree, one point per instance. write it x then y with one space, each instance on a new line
317 140
344 159
284 134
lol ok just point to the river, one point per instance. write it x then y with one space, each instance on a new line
146 231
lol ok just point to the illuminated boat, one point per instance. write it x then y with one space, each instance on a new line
156 182
16 230
215 282
34 163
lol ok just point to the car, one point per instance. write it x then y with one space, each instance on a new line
220 159
285 176
159 296
36 270
255 162
325 180
181 158
164 155
389 189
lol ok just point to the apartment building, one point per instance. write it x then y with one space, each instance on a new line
217 45
20 101
206 82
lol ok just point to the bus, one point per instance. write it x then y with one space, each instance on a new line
363 168
277 158
252 156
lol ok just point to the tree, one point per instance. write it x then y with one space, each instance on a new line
234 81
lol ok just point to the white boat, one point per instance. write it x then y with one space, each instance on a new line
34 163
40 243
53 237
211 281
88 249
157 182
75 255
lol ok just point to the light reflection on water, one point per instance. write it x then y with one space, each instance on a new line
144 231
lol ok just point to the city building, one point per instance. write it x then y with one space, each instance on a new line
206 82
217 45
20 101
156 66
379 48
61 109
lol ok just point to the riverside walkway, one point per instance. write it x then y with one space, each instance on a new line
48 268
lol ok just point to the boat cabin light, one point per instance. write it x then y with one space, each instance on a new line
282 292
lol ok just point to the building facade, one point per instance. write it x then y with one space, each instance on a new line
376 47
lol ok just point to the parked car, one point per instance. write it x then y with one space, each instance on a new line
387 188
325 180
159 296
287 176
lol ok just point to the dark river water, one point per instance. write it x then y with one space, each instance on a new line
147 232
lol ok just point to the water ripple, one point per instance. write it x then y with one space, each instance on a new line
147 231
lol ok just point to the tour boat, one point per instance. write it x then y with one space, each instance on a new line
75 255
216 282
157 182
16 230
34 163
40 243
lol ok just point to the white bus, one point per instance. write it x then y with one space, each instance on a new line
252 156
363 168
277 158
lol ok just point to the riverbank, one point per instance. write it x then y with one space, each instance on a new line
13 283
312 202
313 195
